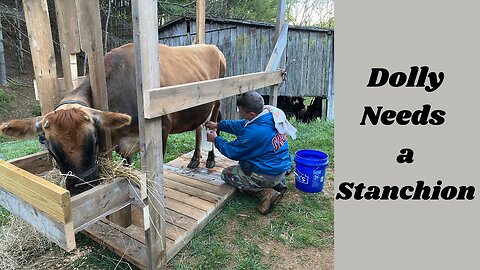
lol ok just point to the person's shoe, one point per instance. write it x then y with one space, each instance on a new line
268 197
281 187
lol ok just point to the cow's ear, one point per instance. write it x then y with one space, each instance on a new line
111 120
21 128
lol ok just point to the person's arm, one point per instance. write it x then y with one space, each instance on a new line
242 148
232 126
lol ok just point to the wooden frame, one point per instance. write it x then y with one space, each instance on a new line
49 208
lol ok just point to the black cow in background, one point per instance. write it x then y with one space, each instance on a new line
294 106
291 106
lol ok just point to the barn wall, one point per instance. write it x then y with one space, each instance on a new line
248 46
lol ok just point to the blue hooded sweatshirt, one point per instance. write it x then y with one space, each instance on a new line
259 143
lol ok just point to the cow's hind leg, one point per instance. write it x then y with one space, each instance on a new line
214 118
195 161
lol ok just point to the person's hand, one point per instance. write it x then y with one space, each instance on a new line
211 125
211 135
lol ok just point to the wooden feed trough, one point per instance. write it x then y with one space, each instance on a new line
150 221
192 199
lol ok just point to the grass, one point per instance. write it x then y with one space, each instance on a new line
5 100
237 238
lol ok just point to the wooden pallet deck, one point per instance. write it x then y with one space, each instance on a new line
192 198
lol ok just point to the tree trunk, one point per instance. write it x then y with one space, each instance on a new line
3 69
21 58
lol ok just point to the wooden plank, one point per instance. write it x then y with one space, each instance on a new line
188 199
219 190
118 241
185 209
60 233
179 97
69 38
200 22
197 173
278 58
88 13
43 55
173 232
45 196
35 163
202 194
180 243
147 69
278 50
99 202
180 220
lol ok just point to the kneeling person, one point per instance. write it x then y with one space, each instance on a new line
261 147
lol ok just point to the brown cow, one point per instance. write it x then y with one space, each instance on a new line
70 131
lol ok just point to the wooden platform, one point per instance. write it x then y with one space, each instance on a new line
193 198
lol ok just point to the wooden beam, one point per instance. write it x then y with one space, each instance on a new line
147 67
99 202
69 38
45 196
179 97
281 10
34 163
278 50
200 22
60 233
91 43
43 55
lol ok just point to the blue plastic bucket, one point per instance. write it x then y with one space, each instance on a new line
310 166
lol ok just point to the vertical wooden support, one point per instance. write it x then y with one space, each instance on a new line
68 34
331 87
200 36
91 43
43 55
147 69
281 9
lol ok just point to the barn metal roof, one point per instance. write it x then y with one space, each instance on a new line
249 22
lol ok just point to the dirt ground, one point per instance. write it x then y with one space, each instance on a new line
306 258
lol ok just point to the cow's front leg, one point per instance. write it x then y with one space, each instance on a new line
195 161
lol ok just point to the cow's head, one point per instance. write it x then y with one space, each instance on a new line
70 133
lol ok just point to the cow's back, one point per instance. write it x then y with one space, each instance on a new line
178 65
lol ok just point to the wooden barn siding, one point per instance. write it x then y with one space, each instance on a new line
247 49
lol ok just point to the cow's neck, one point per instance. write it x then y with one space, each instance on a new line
72 101
82 95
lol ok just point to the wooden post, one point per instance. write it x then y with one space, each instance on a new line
69 40
281 8
147 69
43 55
200 21
91 43
331 88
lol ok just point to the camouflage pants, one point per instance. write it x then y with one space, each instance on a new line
235 176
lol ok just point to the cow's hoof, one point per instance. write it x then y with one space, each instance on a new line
193 164
210 164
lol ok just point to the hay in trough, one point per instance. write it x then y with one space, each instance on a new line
109 170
